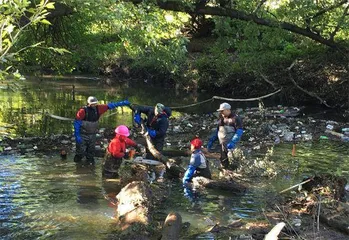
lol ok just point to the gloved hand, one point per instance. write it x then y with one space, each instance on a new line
113 105
137 118
235 139
77 126
152 133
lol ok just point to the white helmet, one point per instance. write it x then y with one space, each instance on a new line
92 100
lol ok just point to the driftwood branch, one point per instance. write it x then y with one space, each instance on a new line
302 89
297 185
247 99
265 78
275 231
171 166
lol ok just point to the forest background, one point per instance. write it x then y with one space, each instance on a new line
235 48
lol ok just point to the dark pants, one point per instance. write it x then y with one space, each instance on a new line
86 148
231 164
224 156
158 144
111 166
203 172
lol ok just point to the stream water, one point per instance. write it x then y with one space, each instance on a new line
47 198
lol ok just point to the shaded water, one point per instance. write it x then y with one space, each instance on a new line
23 107
46 198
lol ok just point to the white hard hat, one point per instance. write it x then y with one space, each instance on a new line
92 100
224 106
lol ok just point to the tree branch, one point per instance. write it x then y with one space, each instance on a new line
325 10
260 4
173 5
265 78
302 89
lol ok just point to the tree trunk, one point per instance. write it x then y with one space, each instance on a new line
171 166
134 207
172 227
230 185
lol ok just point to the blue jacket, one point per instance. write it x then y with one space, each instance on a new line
158 123
197 160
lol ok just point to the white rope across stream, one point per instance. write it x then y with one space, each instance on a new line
190 105
229 99
70 119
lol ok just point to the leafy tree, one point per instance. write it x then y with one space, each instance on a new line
15 18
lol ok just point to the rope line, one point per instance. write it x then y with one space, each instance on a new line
71 119
189 105
229 99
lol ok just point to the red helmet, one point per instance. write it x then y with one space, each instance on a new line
122 130
196 142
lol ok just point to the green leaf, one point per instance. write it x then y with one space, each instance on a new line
44 21
50 5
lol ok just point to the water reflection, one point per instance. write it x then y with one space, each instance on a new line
88 193
49 198
23 111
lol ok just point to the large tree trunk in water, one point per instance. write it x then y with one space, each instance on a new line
171 166
230 185
134 207
172 227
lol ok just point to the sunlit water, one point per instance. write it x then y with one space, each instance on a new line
46 198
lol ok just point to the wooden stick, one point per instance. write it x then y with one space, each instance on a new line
294 186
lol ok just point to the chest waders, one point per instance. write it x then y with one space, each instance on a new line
89 128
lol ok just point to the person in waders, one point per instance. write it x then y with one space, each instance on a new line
228 132
116 151
86 127
198 165
156 123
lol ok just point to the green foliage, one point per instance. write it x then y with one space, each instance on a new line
15 18
102 34
99 34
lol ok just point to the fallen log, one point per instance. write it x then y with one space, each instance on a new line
230 185
134 205
171 166
336 218
172 227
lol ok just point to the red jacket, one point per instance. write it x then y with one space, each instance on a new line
117 147
102 108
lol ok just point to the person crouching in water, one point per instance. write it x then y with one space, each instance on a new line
198 165
116 151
